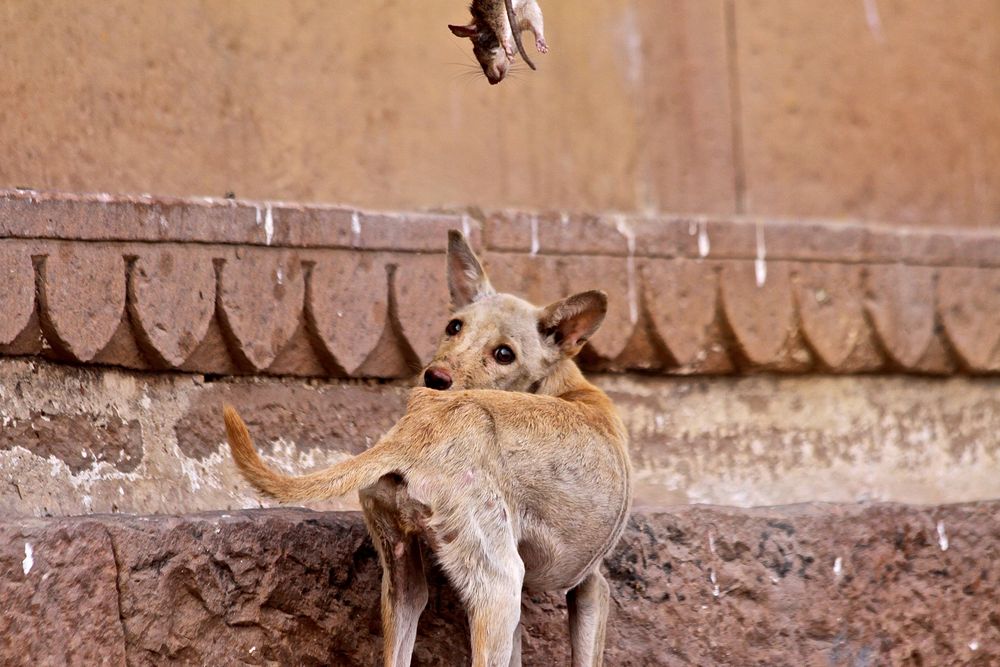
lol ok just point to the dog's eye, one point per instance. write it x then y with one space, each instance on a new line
453 327
504 355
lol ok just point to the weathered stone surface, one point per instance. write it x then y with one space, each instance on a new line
757 301
969 304
680 297
396 300
848 110
262 298
82 297
58 584
900 302
348 304
808 584
173 291
335 418
77 440
744 441
831 310
422 302
17 299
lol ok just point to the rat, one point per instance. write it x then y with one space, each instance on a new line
495 25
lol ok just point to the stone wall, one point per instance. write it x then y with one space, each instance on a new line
871 109
805 585
754 361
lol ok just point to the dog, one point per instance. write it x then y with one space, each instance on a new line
508 466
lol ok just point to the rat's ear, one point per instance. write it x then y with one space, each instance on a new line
570 323
467 281
469 31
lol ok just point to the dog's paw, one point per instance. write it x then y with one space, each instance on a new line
541 45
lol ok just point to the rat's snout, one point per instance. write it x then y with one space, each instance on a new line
496 72
437 378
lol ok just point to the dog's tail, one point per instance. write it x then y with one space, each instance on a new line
357 472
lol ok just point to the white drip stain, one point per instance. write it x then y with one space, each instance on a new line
29 558
703 244
355 229
838 567
942 536
268 225
280 276
534 235
760 264
715 583
466 227
633 296
874 20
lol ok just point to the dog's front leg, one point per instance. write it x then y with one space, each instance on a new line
588 615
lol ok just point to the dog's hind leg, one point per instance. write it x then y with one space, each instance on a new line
515 653
404 583
588 615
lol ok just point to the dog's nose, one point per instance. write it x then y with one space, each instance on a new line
435 378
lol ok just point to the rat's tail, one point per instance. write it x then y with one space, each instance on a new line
512 19
360 471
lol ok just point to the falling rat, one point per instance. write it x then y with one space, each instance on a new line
493 39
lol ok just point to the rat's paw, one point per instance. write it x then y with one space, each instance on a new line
541 45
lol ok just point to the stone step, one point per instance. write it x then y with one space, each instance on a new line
815 584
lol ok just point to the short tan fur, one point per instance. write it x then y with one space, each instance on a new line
513 472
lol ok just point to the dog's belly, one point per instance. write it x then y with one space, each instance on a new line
556 559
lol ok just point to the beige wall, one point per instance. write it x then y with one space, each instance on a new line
764 106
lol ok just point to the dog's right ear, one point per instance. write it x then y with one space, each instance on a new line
467 281
570 323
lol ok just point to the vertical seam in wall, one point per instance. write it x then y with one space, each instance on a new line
736 109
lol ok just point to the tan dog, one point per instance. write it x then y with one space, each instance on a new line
518 477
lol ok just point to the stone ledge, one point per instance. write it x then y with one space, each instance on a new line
226 287
794 585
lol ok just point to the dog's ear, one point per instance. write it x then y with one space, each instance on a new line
463 30
571 322
467 281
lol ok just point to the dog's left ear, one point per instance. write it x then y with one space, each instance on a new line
467 280
571 322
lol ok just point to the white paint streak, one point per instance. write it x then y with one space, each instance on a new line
466 227
621 224
760 264
715 583
703 244
942 536
355 229
632 41
29 559
711 543
268 225
874 20
838 567
534 235
280 276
